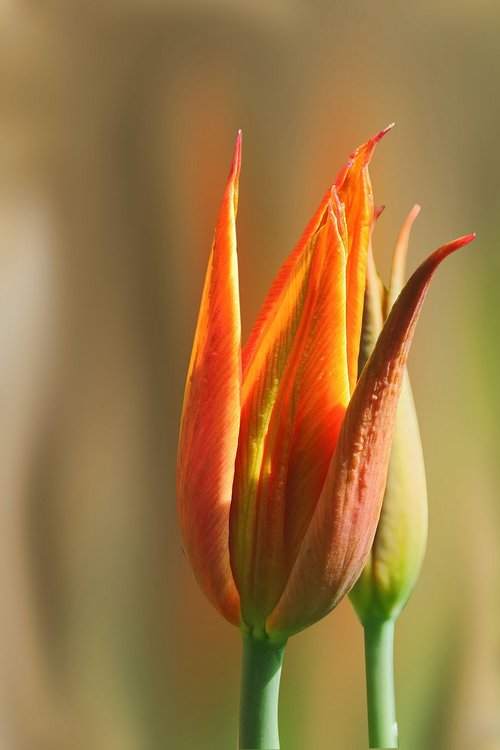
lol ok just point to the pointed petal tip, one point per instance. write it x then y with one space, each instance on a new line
376 138
442 252
236 164
369 146
377 211
460 242
404 235
399 255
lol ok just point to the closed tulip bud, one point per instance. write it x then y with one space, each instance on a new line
283 452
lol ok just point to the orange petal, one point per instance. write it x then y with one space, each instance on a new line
355 192
341 532
322 398
211 415
272 300
352 179
309 322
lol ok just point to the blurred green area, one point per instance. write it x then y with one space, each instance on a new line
117 122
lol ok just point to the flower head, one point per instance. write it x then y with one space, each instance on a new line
283 454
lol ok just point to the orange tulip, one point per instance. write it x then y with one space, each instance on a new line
283 456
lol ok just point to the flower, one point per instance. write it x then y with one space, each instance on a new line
282 454
394 562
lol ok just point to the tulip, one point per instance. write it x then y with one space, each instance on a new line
283 452
394 562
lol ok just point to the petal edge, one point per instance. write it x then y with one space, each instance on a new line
211 415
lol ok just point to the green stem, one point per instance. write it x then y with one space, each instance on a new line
260 682
379 658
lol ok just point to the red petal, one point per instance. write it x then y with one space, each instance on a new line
211 415
341 532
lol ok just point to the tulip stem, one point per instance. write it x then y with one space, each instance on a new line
260 682
379 660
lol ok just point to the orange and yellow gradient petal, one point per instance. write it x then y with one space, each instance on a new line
277 408
355 192
211 415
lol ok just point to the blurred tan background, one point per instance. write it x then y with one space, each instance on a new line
117 123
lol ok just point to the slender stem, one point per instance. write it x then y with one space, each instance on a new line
379 658
260 682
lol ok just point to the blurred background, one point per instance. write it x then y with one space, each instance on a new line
117 124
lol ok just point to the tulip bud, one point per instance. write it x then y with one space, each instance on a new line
394 563
283 451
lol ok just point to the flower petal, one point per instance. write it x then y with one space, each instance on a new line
353 179
323 395
342 529
272 300
398 265
277 404
211 415
355 192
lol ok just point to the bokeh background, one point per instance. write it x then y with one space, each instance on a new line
117 123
